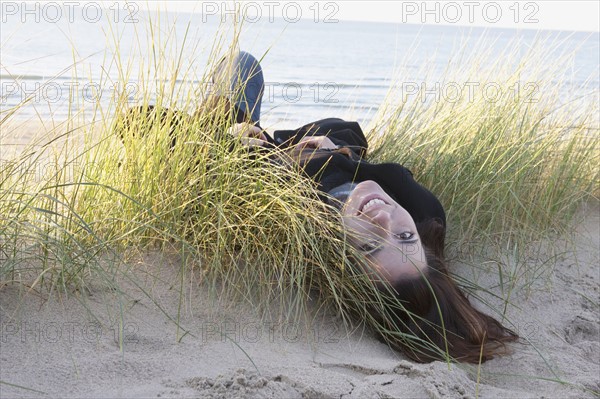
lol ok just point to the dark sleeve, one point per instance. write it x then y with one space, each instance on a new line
398 181
131 122
340 132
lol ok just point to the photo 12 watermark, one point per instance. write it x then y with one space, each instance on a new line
253 332
54 12
131 11
90 92
65 332
53 92
283 92
468 12
268 11
470 91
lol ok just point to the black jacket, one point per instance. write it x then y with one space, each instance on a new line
332 168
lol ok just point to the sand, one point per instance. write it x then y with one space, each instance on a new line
69 346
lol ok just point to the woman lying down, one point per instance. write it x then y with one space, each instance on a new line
395 223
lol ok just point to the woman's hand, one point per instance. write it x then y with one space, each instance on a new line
249 135
316 142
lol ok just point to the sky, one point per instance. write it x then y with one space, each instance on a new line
554 14
576 15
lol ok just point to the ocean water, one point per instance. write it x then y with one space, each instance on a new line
312 69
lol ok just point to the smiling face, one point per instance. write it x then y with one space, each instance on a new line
385 232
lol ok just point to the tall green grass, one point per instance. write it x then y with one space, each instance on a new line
511 165
509 172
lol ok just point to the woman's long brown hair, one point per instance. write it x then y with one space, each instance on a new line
434 309
439 315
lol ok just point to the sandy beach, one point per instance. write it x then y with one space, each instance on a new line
497 117
71 345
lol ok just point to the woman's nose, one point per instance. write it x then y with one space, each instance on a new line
382 218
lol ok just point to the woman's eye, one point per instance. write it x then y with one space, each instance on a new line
368 247
404 236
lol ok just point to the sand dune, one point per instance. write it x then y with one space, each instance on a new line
57 345
69 346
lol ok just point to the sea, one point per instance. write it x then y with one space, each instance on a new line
53 66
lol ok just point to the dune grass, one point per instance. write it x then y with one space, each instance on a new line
508 152
509 172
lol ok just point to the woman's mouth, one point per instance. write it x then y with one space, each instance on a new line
369 203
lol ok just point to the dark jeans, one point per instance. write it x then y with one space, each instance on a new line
246 86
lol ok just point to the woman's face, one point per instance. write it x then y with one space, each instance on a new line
384 231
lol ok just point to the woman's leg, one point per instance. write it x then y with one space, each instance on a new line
246 85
